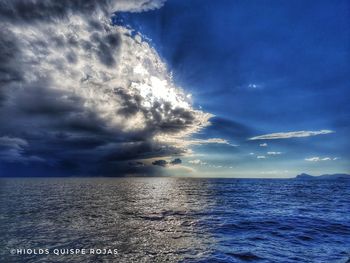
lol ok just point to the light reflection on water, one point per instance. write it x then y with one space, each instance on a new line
146 220
176 220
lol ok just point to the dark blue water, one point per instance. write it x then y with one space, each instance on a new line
176 220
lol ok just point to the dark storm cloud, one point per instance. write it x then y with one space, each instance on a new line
165 163
176 161
162 163
136 164
50 103
9 69
13 150
63 107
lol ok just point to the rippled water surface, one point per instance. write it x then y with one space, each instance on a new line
176 220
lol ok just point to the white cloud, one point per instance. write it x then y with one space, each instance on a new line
253 86
263 144
261 157
251 153
287 135
183 142
136 5
274 153
213 140
197 162
320 159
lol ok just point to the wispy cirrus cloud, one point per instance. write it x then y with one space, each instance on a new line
185 142
274 153
287 135
197 162
320 159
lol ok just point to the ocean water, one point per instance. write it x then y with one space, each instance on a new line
175 220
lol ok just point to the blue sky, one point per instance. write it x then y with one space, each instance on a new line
227 88
261 67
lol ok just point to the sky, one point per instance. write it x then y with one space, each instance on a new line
174 88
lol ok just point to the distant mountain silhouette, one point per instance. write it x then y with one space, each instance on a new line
305 176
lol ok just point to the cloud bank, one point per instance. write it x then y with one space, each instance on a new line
83 96
287 135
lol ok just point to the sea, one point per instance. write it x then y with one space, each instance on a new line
174 220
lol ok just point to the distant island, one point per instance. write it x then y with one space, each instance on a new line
305 176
